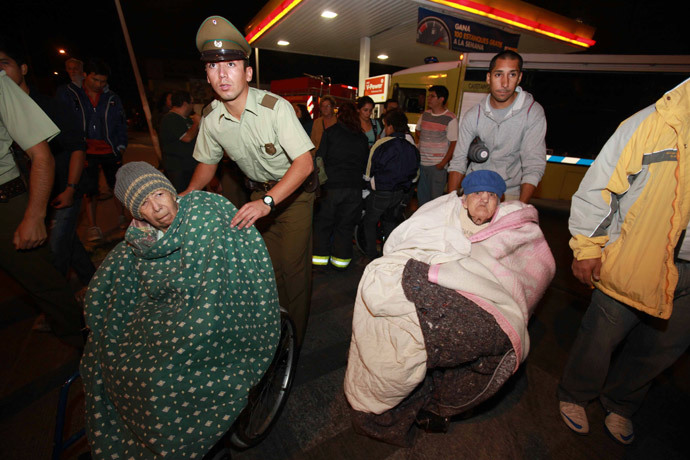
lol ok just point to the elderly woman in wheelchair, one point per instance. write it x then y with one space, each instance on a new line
184 321
440 321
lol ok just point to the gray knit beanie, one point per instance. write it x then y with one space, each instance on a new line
137 180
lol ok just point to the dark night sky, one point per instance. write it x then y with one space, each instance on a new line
165 29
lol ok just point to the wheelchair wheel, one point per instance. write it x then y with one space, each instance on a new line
267 398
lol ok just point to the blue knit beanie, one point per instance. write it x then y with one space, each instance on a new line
484 180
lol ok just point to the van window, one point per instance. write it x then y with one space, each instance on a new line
583 109
411 100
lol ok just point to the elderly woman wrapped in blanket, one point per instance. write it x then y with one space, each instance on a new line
184 320
440 321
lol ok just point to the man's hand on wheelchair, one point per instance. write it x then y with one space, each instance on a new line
249 214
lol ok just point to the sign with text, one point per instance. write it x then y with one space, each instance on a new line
445 31
377 87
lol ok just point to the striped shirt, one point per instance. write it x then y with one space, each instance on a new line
436 132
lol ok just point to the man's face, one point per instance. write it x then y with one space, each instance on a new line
95 82
74 69
187 109
159 209
433 101
229 79
326 109
481 206
14 71
388 129
391 106
503 80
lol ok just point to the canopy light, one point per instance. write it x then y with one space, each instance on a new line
516 21
275 16
283 43
382 56
328 14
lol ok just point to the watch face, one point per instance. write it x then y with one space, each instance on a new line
268 200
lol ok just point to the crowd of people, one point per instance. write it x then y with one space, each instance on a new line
313 181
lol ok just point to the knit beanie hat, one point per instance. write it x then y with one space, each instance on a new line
137 180
484 180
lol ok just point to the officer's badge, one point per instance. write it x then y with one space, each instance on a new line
270 149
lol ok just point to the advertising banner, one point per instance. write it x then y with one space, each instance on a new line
445 31
377 87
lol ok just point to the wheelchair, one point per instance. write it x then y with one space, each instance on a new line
396 217
265 401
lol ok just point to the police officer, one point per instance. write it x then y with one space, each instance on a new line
23 209
261 133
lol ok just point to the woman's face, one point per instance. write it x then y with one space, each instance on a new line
298 111
159 209
481 206
365 111
326 108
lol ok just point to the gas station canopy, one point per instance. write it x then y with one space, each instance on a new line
371 29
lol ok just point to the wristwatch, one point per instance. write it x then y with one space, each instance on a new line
268 200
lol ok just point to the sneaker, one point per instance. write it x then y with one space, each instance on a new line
575 417
94 234
619 428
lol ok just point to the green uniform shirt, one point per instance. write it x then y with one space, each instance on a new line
21 120
263 142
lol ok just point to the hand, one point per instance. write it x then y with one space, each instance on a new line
249 214
587 270
30 233
64 200
440 166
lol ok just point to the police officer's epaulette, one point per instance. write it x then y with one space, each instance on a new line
208 109
269 101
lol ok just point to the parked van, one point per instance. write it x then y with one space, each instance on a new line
585 97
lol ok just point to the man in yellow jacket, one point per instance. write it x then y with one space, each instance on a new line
627 220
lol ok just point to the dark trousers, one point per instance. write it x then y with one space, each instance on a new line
287 234
33 269
378 204
110 163
647 347
339 211
68 250
180 179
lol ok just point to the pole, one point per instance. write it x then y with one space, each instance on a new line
256 58
140 85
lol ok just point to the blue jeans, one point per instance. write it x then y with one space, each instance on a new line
646 347
67 249
432 183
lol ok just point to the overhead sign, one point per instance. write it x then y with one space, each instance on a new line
445 31
377 87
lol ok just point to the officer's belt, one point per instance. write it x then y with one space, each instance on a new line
259 186
10 189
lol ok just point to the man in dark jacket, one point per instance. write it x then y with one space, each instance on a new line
393 165
102 117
